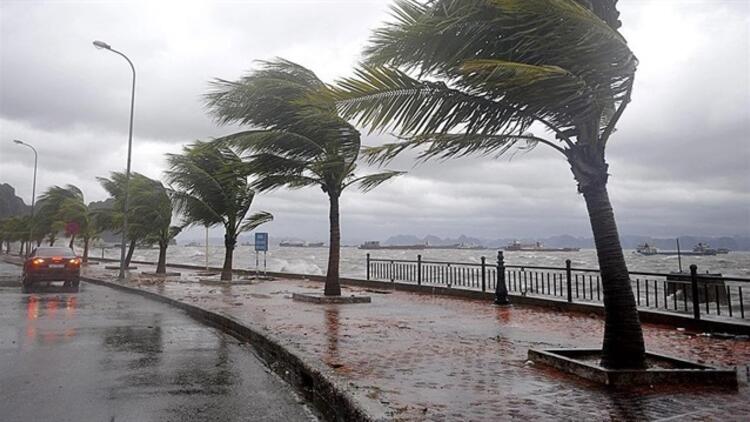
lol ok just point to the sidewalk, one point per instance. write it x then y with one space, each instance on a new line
438 358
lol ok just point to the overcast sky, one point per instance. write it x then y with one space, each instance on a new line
680 160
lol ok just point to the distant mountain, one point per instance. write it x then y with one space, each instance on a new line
10 204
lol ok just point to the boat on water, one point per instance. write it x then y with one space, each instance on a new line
701 249
374 244
300 244
722 251
646 249
193 244
537 247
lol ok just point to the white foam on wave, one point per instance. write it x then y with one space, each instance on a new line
298 266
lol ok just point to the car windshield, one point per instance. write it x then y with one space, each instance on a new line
54 252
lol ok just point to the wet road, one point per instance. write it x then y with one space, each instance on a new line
103 355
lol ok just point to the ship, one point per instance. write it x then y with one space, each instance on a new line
374 244
646 249
537 247
300 244
701 249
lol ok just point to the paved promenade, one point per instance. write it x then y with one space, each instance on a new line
412 357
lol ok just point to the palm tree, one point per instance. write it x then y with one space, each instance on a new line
302 141
490 72
51 203
210 187
79 219
141 221
153 205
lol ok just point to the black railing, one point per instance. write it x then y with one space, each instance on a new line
685 293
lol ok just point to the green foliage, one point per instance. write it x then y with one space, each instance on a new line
149 208
209 185
302 141
488 70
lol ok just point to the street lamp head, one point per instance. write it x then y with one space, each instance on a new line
18 142
102 44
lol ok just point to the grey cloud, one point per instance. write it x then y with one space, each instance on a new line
679 162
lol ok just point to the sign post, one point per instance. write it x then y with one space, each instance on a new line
261 245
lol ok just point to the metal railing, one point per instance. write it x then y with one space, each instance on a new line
684 293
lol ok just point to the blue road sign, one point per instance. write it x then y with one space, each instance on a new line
261 242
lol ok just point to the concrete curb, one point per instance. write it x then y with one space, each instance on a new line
330 398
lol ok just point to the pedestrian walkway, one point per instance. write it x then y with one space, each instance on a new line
420 356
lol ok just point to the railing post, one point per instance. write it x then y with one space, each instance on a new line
501 291
484 274
569 277
393 272
694 287
419 270
368 267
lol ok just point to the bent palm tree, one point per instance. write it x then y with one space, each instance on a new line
142 223
489 70
211 187
302 141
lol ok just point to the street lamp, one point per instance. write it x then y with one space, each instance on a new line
105 46
33 193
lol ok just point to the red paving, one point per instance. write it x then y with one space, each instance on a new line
409 356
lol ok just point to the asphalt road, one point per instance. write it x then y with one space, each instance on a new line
104 355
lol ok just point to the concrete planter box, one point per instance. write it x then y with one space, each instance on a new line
117 267
665 370
167 274
320 298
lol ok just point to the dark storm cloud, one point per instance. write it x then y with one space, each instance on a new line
679 161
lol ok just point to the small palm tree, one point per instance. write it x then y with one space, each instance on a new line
78 219
209 187
301 142
488 71
141 222
52 202
153 205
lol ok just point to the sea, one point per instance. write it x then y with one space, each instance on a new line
304 260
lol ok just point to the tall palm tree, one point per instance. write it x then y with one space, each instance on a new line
301 140
488 72
210 186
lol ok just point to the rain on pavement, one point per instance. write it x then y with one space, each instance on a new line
103 355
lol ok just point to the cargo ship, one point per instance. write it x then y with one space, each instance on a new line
300 244
537 247
374 245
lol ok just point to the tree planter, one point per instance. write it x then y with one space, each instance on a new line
319 298
661 369
117 267
167 274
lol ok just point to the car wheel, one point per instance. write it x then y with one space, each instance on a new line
26 287
76 285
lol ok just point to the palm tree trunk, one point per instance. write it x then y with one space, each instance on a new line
72 239
229 243
129 255
623 345
161 266
332 287
86 249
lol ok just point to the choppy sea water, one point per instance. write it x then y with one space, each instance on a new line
353 260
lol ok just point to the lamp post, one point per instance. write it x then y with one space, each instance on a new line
105 46
33 194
